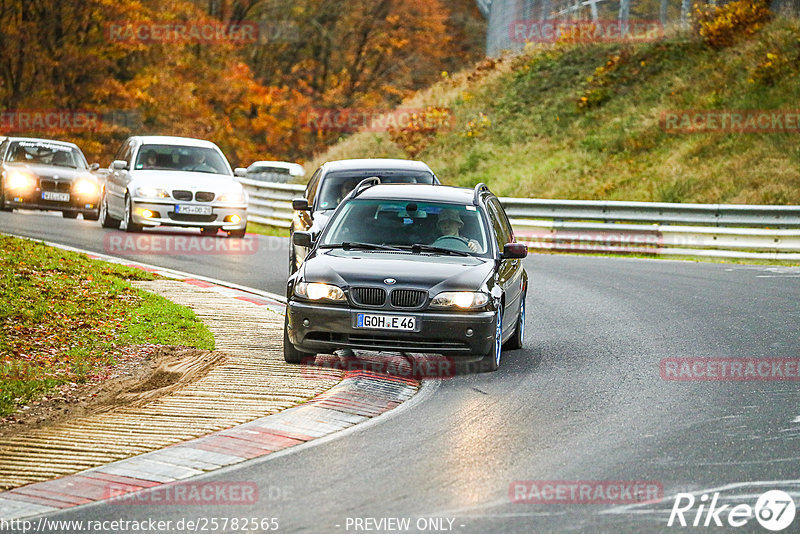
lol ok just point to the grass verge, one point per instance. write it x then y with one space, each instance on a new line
584 121
62 315
263 229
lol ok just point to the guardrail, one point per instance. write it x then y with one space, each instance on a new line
648 228
270 202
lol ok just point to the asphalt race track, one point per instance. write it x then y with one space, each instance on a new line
583 401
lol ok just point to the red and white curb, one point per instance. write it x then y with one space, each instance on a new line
360 396
357 398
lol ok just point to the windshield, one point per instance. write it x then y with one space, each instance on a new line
406 224
338 185
181 158
44 153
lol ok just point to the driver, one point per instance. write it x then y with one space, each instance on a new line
150 160
20 154
344 190
199 163
450 224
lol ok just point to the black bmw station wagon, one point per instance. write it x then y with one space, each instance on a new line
410 268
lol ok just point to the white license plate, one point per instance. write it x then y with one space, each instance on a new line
385 322
51 195
188 209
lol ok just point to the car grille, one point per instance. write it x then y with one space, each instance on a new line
368 296
408 298
180 194
184 217
52 185
204 196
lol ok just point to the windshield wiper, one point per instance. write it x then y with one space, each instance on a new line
347 245
419 247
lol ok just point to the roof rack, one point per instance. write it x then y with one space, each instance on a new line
365 184
480 188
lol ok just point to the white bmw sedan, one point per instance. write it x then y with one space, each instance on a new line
173 181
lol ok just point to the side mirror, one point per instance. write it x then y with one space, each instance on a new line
514 251
240 172
302 239
300 204
119 165
94 166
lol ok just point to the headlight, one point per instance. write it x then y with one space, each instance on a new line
151 192
317 291
86 187
460 299
236 197
20 181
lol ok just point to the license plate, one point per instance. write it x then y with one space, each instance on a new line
386 322
51 195
188 209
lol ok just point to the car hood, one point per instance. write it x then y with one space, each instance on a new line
418 271
185 180
51 171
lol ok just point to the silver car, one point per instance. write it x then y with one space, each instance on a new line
173 181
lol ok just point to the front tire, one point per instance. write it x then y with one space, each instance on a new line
3 206
515 342
209 231
237 234
130 226
491 361
106 220
91 216
290 353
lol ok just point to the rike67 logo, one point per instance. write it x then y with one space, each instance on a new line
774 510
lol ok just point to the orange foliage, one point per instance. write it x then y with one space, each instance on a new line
246 96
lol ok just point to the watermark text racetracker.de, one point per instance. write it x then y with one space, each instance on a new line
168 244
585 31
187 493
611 242
689 121
730 369
206 32
66 120
585 491
377 120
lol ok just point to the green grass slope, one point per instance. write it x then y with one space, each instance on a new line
582 121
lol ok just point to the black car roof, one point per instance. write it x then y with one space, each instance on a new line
421 192
376 164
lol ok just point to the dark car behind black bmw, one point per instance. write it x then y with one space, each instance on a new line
333 180
410 268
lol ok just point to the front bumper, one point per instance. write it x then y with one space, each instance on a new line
331 328
33 200
164 215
